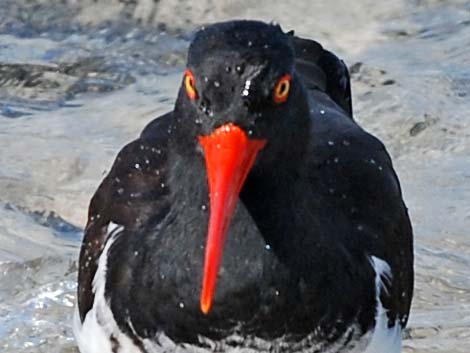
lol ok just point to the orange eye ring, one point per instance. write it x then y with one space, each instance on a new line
190 84
282 88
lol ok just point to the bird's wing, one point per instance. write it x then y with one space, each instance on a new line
358 168
322 70
388 228
127 197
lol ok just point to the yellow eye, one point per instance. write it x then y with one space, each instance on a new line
282 88
190 84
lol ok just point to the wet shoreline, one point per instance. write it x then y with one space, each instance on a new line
78 80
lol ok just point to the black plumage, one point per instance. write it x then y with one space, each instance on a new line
321 199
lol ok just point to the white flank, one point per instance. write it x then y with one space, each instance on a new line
94 335
384 339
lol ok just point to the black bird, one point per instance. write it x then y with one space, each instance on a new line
256 215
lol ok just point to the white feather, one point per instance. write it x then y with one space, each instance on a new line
94 334
384 339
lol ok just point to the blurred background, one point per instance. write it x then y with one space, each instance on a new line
80 78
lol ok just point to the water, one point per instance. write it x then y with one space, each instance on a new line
80 79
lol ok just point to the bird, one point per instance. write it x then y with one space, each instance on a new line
257 215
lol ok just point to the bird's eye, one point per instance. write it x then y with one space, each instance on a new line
190 84
282 88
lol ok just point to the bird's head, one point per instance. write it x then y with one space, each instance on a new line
239 98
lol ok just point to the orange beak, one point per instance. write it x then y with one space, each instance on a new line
229 155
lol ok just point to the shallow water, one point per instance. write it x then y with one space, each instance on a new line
80 79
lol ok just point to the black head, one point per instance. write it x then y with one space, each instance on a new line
240 104
240 70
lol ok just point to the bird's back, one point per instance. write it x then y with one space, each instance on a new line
322 70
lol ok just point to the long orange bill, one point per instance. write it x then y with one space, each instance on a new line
229 155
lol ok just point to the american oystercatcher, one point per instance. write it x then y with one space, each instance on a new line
256 216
